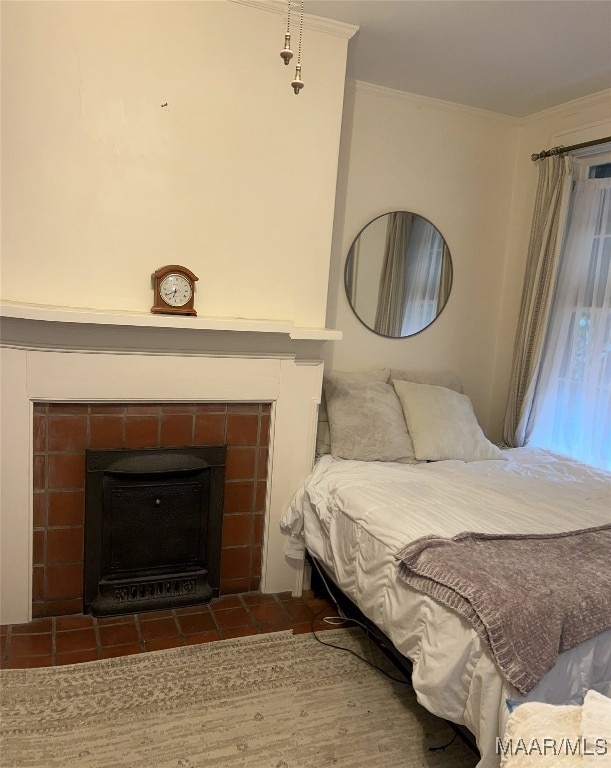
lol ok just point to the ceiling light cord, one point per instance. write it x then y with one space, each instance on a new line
297 84
286 52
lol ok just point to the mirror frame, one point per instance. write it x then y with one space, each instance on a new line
349 260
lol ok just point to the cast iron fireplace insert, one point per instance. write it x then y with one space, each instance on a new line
153 527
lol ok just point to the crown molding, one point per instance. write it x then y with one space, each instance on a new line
561 109
317 23
414 98
571 106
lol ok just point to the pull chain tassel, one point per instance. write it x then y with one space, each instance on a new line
297 83
286 53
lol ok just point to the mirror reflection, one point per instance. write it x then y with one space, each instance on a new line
398 274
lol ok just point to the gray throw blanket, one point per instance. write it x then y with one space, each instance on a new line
530 597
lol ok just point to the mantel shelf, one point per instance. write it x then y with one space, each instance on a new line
47 313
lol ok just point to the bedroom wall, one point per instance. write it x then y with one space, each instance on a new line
470 173
141 134
453 165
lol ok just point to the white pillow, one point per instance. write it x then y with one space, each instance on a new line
442 424
331 381
335 379
366 423
444 379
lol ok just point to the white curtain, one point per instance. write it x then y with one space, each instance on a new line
572 408
422 277
391 296
553 189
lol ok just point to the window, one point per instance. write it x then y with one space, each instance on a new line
601 171
572 407
592 165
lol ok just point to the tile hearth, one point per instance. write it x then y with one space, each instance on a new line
75 638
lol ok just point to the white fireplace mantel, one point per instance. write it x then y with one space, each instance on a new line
124 319
69 355
95 329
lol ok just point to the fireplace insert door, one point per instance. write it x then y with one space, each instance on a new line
153 524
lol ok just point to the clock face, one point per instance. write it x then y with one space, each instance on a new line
175 290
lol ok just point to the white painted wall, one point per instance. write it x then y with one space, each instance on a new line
469 172
454 166
138 134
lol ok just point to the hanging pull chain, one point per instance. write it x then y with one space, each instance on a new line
286 52
298 83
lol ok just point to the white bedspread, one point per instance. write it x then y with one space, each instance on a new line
355 516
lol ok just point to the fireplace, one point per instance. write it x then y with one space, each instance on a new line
124 381
153 526
69 437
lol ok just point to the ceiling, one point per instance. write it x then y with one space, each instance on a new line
516 57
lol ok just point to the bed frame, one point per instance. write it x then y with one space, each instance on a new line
323 586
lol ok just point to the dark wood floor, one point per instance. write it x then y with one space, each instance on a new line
77 638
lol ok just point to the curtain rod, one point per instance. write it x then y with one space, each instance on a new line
563 150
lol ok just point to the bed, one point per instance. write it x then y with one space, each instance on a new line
354 515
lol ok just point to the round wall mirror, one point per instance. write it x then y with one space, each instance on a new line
398 274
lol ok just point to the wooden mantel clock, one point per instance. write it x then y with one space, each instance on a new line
174 288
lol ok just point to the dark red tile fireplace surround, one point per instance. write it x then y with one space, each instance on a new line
62 434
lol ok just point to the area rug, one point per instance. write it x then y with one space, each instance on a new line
268 701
